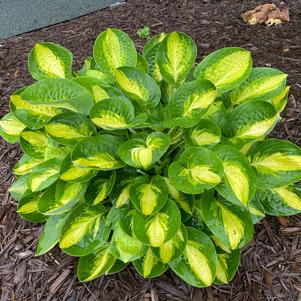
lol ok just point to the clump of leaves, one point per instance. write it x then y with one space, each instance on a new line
147 158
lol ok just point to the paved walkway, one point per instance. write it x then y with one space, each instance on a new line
18 16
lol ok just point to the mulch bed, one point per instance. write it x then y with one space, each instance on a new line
271 263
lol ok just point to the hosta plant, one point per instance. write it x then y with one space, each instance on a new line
150 158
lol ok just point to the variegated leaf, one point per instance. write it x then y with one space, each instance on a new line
263 84
69 128
280 100
105 78
150 54
197 266
52 93
100 187
72 173
114 114
33 116
94 265
11 127
126 247
145 151
25 165
50 60
138 86
60 197
256 209
196 170
149 266
148 195
279 201
99 152
231 224
176 56
28 208
113 49
174 248
142 64
277 162
18 189
156 229
190 102
240 180
84 230
183 200
34 143
43 175
205 133
227 265
249 121
94 85
226 68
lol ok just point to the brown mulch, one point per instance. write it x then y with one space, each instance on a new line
271 264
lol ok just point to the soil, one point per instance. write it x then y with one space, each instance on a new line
271 263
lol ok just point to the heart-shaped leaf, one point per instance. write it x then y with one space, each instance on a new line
143 153
138 86
156 229
197 266
99 152
113 49
226 68
277 162
50 60
69 128
197 169
148 195
176 56
189 102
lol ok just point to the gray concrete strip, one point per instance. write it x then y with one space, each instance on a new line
19 16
